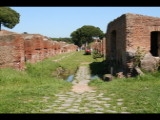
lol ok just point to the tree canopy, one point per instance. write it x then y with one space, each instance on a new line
8 17
86 34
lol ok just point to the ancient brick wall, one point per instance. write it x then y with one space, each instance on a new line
53 48
129 31
16 49
34 47
99 46
12 51
138 31
38 53
116 36
104 49
47 48
57 47
69 48
5 32
28 47
50 48
62 48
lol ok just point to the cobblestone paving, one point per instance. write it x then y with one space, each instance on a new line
85 100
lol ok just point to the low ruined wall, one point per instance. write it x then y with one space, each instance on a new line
16 49
98 45
69 48
34 48
12 51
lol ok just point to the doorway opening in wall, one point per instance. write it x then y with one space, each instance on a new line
155 39
113 44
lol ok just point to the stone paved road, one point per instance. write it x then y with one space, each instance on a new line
83 99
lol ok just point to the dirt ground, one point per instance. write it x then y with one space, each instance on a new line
80 82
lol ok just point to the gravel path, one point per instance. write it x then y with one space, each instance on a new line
84 99
80 84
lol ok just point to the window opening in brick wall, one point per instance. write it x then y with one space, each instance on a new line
155 40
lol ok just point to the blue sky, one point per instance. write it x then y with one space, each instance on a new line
58 22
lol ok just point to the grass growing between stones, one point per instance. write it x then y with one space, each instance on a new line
139 94
34 89
30 90
22 93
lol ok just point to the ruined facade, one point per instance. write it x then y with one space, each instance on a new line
130 31
17 49
100 46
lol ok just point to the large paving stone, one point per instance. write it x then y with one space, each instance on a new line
72 110
105 98
119 103
46 110
66 105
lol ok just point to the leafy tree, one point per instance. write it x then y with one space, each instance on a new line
86 34
8 17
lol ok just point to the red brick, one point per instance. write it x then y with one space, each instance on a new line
132 30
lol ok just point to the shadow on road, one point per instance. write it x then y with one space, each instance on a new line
98 68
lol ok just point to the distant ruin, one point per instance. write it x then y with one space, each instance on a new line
100 46
129 31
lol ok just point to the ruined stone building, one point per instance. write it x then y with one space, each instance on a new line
127 32
17 49
99 45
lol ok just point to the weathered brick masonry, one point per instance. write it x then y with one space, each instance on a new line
100 46
16 49
12 51
34 47
129 31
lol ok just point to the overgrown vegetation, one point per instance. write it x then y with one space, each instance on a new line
25 92
96 54
32 90
139 54
139 94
